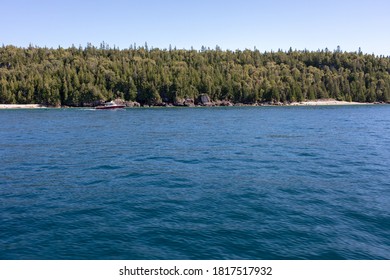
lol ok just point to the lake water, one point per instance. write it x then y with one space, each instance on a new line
196 183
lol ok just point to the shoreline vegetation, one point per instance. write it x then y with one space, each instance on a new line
318 102
143 76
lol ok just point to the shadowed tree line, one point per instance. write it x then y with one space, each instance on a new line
82 76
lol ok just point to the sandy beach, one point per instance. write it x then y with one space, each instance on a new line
325 102
21 106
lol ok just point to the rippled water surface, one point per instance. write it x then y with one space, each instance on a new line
196 183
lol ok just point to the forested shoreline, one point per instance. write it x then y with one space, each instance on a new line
85 76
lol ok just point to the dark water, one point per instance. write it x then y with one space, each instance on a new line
195 183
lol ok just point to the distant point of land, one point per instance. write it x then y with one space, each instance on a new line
86 77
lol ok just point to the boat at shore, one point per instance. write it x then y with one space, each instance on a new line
109 105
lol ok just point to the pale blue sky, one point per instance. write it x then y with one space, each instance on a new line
268 25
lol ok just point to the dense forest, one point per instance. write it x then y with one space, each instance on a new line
81 76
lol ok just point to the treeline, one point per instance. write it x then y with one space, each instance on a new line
82 76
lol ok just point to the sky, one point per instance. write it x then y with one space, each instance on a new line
243 24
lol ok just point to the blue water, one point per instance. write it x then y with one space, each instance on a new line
196 183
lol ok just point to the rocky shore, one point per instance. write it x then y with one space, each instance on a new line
205 101
224 103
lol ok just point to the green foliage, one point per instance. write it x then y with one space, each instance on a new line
80 77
